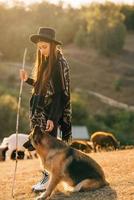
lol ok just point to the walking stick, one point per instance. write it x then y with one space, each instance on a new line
17 123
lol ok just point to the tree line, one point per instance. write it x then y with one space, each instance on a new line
82 26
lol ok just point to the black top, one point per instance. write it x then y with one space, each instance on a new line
55 108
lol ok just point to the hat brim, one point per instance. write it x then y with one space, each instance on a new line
36 38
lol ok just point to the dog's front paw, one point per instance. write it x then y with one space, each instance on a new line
43 196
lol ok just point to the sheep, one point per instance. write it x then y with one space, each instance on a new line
81 145
8 147
104 140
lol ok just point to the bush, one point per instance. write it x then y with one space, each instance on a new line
8 115
121 123
79 111
118 84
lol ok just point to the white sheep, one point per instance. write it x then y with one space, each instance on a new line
10 142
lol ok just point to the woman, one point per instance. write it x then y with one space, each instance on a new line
50 105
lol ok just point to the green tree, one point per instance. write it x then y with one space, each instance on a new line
105 27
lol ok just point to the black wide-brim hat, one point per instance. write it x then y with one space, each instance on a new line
45 34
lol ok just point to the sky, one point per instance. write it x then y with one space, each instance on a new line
74 3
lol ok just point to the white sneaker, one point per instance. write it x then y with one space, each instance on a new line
42 184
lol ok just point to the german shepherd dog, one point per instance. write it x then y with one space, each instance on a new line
65 164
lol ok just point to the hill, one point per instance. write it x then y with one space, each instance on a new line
112 77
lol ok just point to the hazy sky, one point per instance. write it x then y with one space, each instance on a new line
74 3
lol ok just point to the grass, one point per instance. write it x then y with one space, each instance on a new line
117 165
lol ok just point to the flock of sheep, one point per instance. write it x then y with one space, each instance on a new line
98 141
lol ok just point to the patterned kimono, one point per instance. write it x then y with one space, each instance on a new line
56 104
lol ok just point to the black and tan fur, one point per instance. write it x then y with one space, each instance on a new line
65 164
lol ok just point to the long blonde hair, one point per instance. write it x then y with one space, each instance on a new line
41 74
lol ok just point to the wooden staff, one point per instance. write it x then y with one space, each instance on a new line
17 123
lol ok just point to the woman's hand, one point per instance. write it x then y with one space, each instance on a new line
49 126
23 75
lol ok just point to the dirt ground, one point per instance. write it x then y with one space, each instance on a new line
117 165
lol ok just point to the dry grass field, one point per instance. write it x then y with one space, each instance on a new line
118 167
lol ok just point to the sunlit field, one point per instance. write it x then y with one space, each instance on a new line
117 165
